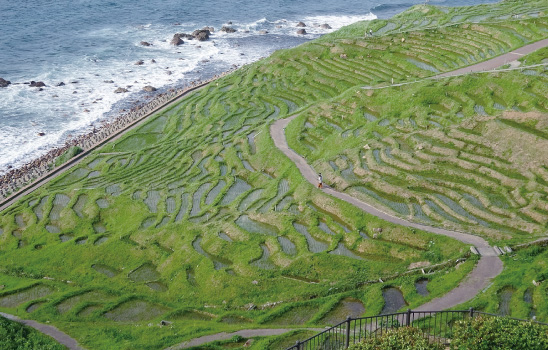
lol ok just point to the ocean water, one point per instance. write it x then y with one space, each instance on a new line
92 46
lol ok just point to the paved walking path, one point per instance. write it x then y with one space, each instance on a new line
52 331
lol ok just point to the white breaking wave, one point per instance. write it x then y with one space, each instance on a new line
87 95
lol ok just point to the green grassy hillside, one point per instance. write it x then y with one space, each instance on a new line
421 150
197 219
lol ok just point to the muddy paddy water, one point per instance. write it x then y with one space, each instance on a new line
343 251
505 295
69 303
218 262
252 226
314 245
393 300
288 247
144 273
420 286
295 316
348 307
19 297
105 270
136 310
264 262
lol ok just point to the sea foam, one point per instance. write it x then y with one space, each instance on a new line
87 96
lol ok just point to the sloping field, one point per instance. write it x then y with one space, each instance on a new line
462 153
195 218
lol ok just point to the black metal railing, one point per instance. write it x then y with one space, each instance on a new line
436 325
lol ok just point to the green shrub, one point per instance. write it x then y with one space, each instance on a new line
404 338
15 336
499 333
68 155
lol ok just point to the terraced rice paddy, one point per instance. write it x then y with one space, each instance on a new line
421 286
25 295
393 300
296 316
347 307
430 174
194 216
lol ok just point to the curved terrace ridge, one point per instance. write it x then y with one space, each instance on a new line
488 267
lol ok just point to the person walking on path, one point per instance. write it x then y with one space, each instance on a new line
320 180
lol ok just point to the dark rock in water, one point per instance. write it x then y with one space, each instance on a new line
201 34
37 84
301 24
325 26
186 36
4 83
60 84
75 92
153 61
211 29
149 88
228 29
120 90
139 63
176 41
145 43
41 134
108 81
229 22
301 31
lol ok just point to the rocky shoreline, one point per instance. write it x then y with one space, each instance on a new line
16 179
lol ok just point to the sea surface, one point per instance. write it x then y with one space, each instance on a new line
91 46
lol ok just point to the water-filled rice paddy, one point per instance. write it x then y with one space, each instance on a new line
393 300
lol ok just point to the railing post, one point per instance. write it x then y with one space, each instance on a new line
471 312
298 345
348 319
408 318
